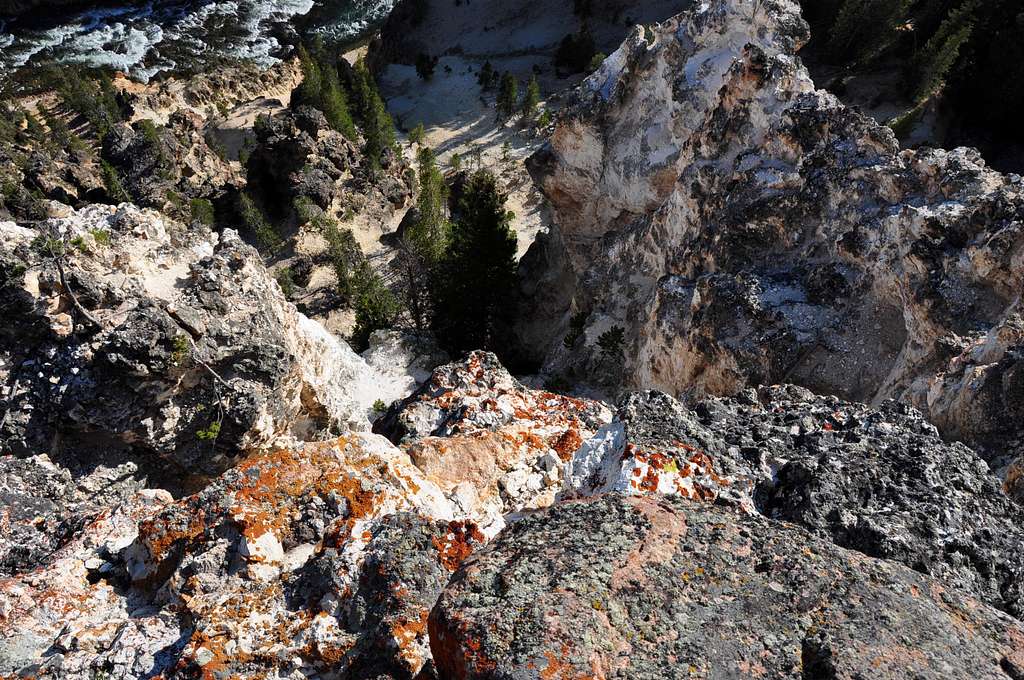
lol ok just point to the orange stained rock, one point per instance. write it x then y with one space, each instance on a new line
457 544
566 444
406 632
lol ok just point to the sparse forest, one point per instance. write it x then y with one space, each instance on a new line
969 51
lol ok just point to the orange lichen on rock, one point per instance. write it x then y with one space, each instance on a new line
457 544
567 443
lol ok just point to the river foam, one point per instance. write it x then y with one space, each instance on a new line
145 40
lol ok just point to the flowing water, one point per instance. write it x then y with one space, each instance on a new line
145 39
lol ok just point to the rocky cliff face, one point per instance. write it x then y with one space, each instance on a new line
171 344
510 529
743 228
191 486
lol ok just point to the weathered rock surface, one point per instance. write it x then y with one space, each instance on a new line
740 227
43 506
170 344
297 155
316 559
649 587
743 228
71 618
156 164
328 558
478 433
881 482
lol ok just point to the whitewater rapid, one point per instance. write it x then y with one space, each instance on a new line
147 39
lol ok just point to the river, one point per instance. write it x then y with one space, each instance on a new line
147 39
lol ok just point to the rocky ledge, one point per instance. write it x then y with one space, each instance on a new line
510 531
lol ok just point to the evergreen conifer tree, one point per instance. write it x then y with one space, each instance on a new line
531 98
378 127
508 95
478 276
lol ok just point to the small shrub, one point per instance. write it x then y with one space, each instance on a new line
306 210
202 211
149 132
611 342
286 279
179 349
112 181
101 236
425 66
79 243
48 246
577 324
256 222
379 406
211 432
417 134
376 308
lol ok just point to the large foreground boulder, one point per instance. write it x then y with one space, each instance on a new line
494 445
648 587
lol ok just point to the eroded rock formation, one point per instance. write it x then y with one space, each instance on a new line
172 344
742 228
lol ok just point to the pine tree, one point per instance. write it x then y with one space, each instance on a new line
344 253
429 236
532 97
112 181
335 104
863 25
508 95
486 76
256 222
425 65
942 50
378 127
312 80
417 134
424 243
477 278
34 128
376 307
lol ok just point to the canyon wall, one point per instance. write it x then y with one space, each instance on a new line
743 228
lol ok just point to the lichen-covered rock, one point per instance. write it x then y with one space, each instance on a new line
484 437
650 448
654 587
317 560
742 228
70 616
303 560
175 345
881 482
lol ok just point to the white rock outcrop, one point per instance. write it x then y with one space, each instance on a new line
741 227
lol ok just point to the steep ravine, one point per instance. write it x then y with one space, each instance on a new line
197 481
